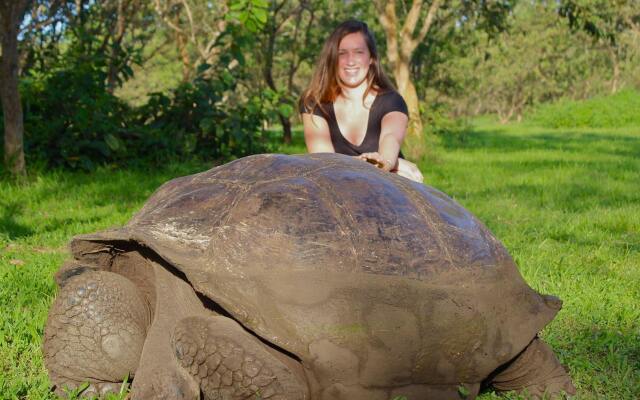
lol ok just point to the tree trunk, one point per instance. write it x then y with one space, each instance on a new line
11 14
408 91
286 129
267 72
114 59
184 56
402 40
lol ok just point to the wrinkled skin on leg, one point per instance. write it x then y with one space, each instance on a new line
95 332
101 328
535 372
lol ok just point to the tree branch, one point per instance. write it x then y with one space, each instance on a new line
411 44
412 19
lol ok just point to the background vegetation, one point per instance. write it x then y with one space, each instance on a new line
530 114
121 82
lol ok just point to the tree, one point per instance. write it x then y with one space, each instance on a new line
536 59
287 43
406 28
607 22
402 40
11 15
198 27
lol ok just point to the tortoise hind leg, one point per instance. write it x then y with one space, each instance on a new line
95 332
536 372
230 363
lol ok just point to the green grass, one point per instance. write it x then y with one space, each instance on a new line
564 202
610 111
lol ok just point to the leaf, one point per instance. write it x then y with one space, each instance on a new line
238 5
260 15
260 3
227 78
112 142
285 110
207 125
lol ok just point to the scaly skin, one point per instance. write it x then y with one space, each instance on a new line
95 332
100 330
228 363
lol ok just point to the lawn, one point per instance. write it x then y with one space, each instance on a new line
564 202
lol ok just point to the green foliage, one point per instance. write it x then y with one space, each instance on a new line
197 120
613 111
71 120
252 14
438 121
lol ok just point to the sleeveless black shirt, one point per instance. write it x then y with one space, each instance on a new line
383 104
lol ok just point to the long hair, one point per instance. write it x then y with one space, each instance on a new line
325 83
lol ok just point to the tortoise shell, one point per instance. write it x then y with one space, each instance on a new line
343 265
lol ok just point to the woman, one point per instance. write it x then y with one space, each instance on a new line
351 107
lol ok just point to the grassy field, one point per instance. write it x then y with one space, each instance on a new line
565 203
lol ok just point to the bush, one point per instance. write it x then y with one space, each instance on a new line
614 111
72 121
197 120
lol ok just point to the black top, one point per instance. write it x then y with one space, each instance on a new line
383 104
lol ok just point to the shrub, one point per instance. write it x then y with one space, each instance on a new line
197 120
72 121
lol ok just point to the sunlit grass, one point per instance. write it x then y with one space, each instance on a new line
567 206
565 203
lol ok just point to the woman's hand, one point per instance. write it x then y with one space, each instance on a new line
376 159
409 170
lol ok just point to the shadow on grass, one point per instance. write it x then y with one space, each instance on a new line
575 197
501 140
8 225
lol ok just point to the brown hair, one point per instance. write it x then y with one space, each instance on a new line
325 84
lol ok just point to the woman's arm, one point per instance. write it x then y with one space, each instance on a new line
392 133
316 134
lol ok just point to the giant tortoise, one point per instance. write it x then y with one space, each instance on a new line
299 277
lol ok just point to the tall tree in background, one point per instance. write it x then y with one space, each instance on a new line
402 39
408 26
121 17
11 15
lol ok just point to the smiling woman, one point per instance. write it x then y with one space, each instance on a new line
351 106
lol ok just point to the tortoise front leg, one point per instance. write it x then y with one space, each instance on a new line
95 332
191 352
535 372
230 363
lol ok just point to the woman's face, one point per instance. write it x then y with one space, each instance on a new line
354 59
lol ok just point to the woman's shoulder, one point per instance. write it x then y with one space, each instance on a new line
390 100
319 109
